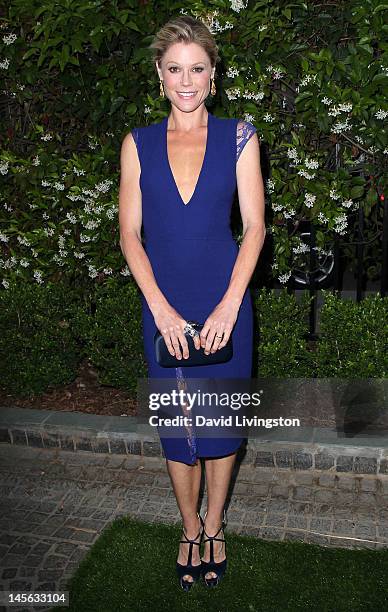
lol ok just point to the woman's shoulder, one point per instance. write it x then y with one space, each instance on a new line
245 127
141 131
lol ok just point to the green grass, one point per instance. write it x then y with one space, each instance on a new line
132 567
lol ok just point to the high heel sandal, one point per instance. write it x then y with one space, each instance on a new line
212 566
192 570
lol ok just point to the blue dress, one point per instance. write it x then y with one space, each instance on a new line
192 253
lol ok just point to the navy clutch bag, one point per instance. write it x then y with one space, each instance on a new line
196 357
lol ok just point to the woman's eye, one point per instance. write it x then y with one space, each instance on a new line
173 68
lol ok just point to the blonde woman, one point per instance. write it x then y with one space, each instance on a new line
178 180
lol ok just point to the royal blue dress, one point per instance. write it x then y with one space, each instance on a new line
192 253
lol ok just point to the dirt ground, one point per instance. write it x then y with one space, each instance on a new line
84 394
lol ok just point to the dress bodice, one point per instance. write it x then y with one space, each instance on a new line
207 214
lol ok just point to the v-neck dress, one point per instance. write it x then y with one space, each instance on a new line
192 253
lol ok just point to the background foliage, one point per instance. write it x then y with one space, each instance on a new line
77 76
45 331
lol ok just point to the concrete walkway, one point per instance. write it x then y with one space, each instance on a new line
54 505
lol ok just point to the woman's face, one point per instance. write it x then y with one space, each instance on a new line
186 68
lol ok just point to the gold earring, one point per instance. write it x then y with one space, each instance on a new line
161 89
213 88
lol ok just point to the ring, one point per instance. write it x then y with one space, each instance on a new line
189 329
217 336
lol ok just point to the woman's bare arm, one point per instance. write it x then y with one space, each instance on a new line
250 185
168 321
251 199
130 220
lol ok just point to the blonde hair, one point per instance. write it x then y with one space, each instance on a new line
185 29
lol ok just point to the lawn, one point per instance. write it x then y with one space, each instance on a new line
132 567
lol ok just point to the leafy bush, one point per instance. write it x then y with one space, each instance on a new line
116 342
353 341
283 330
38 348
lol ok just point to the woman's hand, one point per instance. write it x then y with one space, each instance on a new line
219 325
171 325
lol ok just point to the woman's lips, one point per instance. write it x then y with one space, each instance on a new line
187 97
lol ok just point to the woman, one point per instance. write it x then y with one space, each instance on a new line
178 180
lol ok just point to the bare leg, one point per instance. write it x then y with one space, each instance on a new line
218 475
186 480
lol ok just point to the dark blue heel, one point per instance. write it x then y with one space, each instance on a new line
193 570
212 566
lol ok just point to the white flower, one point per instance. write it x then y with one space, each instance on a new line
347 203
46 137
284 277
78 172
92 271
24 263
4 167
104 186
78 255
277 207
307 79
59 186
334 195
311 164
38 277
233 93
23 241
3 237
232 72
90 225
71 217
268 117
341 127
309 200
289 214
250 95
278 74
5 64
341 223
5 283
125 271
249 117
302 247
237 5
9 39
111 213
322 218
326 100
381 114
293 154
306 175
36 161
270 186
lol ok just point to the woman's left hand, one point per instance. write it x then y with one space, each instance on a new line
218 326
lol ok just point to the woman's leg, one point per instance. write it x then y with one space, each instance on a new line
186 480
218 475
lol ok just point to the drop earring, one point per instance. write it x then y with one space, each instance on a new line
213 88
161 89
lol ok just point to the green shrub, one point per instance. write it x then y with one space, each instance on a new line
282 335
116 341
38 348
353 340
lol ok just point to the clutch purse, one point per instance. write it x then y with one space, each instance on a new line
196 357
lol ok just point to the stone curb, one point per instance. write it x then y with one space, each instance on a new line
307 449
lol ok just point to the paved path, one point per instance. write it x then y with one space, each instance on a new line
54 504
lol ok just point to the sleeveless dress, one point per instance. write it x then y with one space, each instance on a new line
192 253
